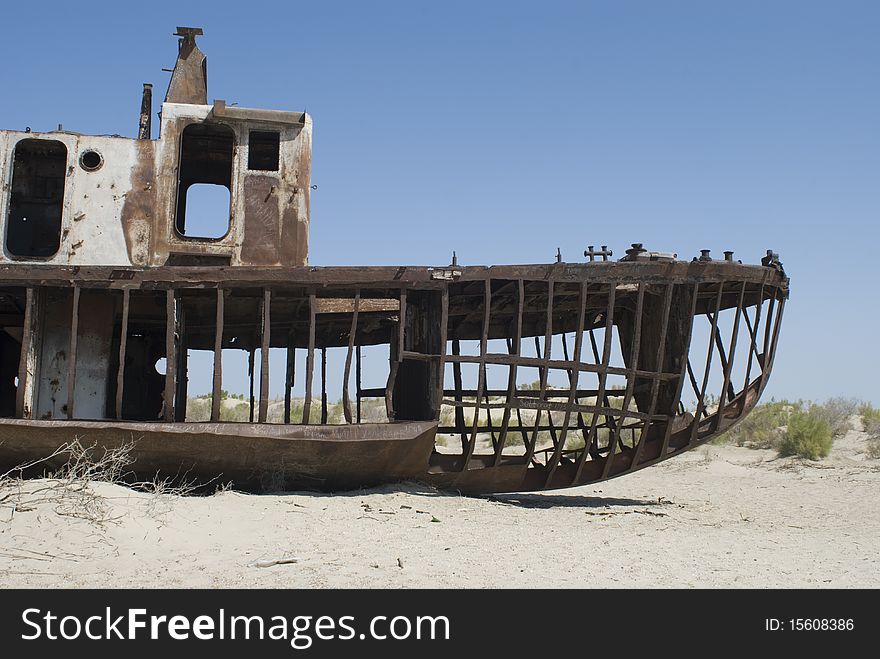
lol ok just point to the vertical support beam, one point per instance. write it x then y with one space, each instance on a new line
591 439
182 377
456 382
630 381
310 360
358 381
395 358
441 363
731 355
123 340
722 355
685 368
251 368
389 389
323 385
753 334
573 377
655 385
768 322
71 353
544 373
264 355
217 383
352 333
289 374
776 325
481 376
170 353
511 376
27 361
548 340
701 399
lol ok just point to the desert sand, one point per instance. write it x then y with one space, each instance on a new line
719 516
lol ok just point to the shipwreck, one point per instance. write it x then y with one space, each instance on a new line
491 379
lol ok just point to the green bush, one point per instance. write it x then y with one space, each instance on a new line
808 435
762 427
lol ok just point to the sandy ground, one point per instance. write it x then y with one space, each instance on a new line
719 516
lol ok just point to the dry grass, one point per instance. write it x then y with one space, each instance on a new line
70 490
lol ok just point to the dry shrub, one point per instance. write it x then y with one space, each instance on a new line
837 412
70 489
871 424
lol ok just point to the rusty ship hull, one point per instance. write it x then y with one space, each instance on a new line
630 322
473 378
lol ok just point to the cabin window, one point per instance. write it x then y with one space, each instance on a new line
33 225
204 190
263 148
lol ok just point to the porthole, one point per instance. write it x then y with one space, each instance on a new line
91 161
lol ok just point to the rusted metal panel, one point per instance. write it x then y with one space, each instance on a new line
262 229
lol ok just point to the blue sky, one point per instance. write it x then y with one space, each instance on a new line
506 130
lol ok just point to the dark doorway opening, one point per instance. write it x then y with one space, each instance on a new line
33 226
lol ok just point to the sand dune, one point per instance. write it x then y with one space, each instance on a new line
718 516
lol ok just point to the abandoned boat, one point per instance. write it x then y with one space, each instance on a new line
491 379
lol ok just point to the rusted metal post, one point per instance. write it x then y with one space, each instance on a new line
170 353
545 359
722 355
655 384
684 367
323 385
591 442
753 334
776 326
182 359
71 354
217 382
630 381
357 377
146 118
346 398
251 368
123 340
310 360
264 355
441 364
768 322
574 374
458 412
481 375
289 374
731 354
513 348
701 399
396 358
27 361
